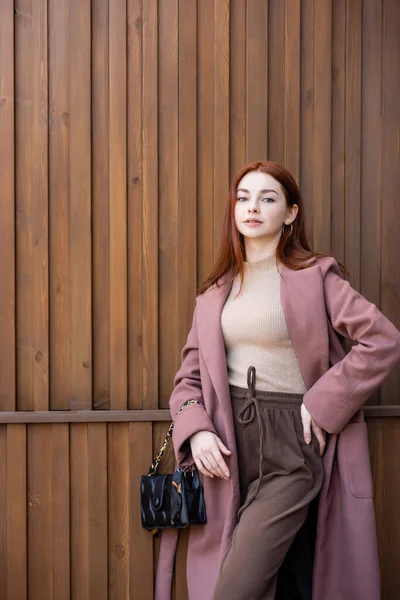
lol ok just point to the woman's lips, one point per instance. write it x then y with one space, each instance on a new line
252 223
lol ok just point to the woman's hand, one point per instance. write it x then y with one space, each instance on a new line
206 451
308 424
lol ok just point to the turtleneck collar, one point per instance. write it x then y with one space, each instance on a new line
265 265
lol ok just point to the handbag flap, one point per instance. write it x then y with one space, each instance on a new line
158 492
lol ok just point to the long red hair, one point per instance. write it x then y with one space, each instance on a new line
293 251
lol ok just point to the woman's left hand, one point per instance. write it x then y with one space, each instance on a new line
308 425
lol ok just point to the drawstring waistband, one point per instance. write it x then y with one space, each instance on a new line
251 409
254 410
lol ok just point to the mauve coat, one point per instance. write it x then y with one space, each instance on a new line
320 308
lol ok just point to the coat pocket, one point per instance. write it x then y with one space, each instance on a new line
354 441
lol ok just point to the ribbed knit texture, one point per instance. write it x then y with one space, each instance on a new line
255 331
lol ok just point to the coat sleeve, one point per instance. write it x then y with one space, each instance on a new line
187 386
345 387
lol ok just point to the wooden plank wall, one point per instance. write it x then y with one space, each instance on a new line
121 124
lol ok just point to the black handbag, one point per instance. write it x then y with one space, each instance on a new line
171 501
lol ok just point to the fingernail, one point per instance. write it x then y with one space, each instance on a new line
308 440
227 473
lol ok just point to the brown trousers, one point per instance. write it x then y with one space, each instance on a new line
279 476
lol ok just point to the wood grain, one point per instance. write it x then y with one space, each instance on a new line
7 203
31 174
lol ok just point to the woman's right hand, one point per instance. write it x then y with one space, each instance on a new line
206 451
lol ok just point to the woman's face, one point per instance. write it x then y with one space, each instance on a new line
260 197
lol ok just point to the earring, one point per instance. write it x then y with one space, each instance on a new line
291 231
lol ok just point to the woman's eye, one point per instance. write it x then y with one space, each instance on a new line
272 200
242 198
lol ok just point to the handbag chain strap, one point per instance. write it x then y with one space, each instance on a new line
158 457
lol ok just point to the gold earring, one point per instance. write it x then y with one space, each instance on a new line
283 230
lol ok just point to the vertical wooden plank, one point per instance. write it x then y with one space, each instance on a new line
13 556
237 90
276 53
353 139
80 205
187 184
307 112
118 510
338 129
135 204
221 115
371 156
40 497
3 510
169 196
371 150
32 204
384 443
292 87
7 208
118 209
97 511
390 274
79 498
150 204
256 79
141 547
60 509
59 226
205 147
322 124
100 205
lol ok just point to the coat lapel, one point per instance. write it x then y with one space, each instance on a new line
302 299
211 341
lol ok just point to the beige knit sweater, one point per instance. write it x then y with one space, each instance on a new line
255 331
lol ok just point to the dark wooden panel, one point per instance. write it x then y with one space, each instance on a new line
40 518
59 224
256 78
135 204
13 495
7 220
187 180
322 125
97 512
117 203
292 88
61 511
80 205
384 443
31 151
276 70
169 128
118 511
141 454
101 205
338 190
221 115
307 112
390 249
353 140
150 203
237 92
205 149
371 152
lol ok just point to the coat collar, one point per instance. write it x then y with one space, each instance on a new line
302 299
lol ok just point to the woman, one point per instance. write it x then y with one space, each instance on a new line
278 423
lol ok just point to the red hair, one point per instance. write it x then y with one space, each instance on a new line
293 251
